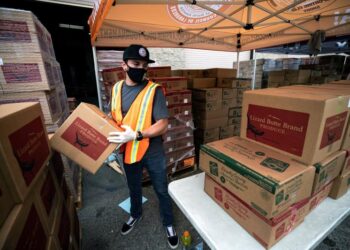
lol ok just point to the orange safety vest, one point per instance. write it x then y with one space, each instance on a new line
138 117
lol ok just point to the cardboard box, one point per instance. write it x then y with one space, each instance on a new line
200 83
49 102
7 202
180 109
328 169
346 167
177 133
179 155
24 228
266 231
207 135
24 149
178 97
234 121
23 32
345 82
317 198
266 180
220 72
234 82
181 120
177 144
235 112
26 71
163 71
275 78
228 94
237 131
311 126
226 132
207 110
228 104
47 195
211 123
297 76
188 73
83 137
56 166
113 75
340 186
207 95
53 243
62 226
171 83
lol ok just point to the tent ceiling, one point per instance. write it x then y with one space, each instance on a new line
331 45
228 25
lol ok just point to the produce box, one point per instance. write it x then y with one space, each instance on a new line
266 180
340 186
199 83
26 72
25 149
328 169
49 102
305 126
220 73
162 71
266 231
83 137
21 31
171 83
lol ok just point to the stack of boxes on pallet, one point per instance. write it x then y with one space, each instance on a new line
217 99
37 211
29 70
109 66
291 155
178 140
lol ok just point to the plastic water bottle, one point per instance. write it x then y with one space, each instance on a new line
186 240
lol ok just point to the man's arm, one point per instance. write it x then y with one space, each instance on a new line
158 128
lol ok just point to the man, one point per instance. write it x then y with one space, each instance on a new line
138 105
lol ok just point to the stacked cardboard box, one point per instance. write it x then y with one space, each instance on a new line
31 194
288 77
29 70
279 147
178 140
246 70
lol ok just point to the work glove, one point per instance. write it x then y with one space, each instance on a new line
122 136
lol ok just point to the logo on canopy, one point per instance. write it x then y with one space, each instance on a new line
193 14
306 7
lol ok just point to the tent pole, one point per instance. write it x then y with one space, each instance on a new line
97 78
237 74
254 70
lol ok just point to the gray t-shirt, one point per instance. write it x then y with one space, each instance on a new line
160 110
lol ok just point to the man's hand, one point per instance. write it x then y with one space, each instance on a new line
122 137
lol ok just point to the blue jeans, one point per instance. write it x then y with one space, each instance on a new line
154 162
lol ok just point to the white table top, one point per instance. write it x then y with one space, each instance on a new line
221 232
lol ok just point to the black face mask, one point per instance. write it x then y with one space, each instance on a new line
136 74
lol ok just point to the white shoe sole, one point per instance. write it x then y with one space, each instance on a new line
127 232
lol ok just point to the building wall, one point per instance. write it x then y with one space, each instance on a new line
179 58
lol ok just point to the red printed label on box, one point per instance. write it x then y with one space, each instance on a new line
333 129
13 31
85 138
30 148
33 234
48 193
282 129
218 194
21 72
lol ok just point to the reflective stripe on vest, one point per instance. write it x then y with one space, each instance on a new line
138 117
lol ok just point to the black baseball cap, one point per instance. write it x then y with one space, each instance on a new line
137 52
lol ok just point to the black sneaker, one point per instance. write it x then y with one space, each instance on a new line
129 225
173 239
